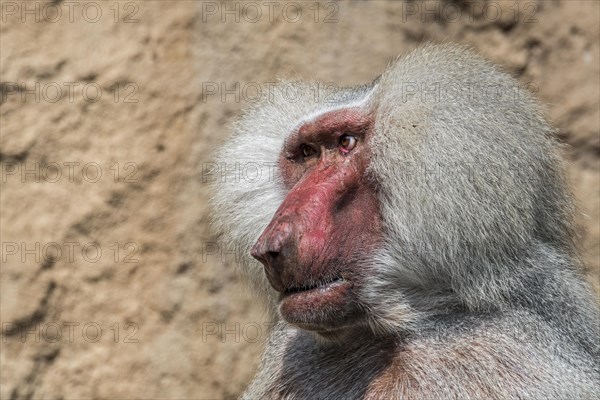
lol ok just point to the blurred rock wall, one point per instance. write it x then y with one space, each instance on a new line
111 284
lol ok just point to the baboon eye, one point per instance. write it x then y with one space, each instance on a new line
347 143
307 151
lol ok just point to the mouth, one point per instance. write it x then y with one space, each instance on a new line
319 306
323 285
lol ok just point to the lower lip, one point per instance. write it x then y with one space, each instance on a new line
330 295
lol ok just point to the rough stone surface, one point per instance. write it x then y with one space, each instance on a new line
175 320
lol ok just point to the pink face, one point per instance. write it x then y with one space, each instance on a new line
316 247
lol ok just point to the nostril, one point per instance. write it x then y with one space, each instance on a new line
272 254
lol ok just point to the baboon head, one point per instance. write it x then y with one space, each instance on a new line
431 188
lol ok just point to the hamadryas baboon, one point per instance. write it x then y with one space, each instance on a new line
416 236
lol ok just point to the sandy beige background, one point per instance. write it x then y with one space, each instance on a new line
109 285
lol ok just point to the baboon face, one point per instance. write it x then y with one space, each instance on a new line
315 248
